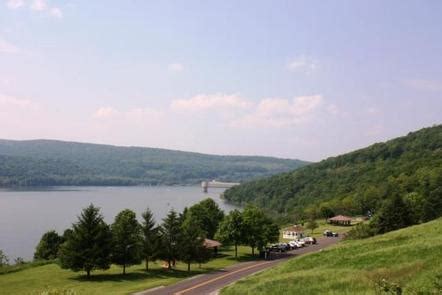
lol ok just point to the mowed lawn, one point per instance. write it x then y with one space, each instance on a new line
38 280
410 258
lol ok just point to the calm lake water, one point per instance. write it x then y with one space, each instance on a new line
26 215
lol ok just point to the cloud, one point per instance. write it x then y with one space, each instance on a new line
7 47
56 12
14 4
39 5
279 112
425 85
8 102
175 67
135 114
105 112
303 64
204 102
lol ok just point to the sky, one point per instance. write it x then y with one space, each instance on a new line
292 79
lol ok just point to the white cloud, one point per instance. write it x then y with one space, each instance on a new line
14 4
10 101
204 102
303 64
373 111
105 112
7 47
175 67
39 5
56 12
279 112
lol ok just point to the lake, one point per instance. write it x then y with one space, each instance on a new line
26 214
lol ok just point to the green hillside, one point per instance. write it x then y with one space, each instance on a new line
409 259
48 162
354 183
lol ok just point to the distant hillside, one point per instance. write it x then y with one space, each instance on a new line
48 162
358 181
409 259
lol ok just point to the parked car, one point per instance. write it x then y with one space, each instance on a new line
310 240
301 242
294 245
329 233
281 247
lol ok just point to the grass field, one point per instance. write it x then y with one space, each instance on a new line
41 279
410 259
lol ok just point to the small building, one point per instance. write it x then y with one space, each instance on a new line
340 220
293 232
212 244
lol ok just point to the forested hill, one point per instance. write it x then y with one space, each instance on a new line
48 162
359 181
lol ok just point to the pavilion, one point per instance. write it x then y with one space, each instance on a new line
340 220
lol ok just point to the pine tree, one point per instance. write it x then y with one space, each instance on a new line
88 247
170 232
127 239
191 241
150 237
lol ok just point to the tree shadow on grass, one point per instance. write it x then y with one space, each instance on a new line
136 275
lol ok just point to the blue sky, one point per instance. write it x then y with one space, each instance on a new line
297 79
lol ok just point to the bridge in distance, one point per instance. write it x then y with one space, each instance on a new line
217 184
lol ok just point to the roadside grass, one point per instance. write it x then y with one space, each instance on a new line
410 258
51 278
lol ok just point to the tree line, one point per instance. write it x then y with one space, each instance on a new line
405 170
92 244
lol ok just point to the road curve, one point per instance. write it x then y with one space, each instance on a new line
211 282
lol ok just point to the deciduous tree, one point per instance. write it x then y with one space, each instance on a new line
127 239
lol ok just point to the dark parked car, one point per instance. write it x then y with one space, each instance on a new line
329 233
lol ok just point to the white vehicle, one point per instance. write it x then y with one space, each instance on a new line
294 245
301 243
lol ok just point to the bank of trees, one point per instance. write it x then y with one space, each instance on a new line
91 244
362 182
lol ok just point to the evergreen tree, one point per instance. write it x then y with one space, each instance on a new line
191 241
48 246
170 232
88 247
394 214
150 237
231 230
127 239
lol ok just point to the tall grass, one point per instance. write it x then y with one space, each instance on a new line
409 259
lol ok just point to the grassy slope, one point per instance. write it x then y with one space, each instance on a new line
411 257
49 277
49 162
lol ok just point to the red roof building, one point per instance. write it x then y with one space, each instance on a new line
340 220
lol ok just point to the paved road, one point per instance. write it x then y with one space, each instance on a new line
210 283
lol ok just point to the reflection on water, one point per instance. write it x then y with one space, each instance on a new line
26 214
